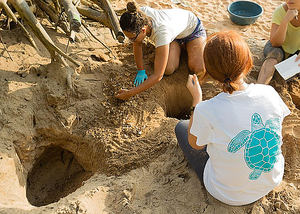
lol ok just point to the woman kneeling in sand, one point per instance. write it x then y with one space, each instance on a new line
168 29
233 140
284 39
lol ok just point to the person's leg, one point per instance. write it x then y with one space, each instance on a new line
273 56
195 50
174 58
196 158
267 71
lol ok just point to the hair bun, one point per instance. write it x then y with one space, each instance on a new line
131 7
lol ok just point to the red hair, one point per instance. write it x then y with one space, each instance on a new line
227 58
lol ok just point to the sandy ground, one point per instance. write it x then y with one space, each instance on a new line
86 152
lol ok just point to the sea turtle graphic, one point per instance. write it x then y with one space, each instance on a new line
262 145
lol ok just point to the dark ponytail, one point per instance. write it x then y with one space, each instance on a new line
229 86
133 20
131 7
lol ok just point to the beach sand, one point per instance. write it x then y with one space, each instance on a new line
86 152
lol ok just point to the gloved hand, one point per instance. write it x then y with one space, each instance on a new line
140 77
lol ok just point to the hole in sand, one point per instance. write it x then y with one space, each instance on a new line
55 174
178 102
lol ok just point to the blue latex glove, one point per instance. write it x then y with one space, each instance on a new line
140 77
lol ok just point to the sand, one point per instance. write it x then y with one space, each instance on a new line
86 152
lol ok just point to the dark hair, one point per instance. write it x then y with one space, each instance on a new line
226 57
133 19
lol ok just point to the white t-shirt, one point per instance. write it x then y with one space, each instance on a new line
239 130
170 24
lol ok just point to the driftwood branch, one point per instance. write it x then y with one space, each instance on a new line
3 4
73 15
52 14
24 11
94 15
107 7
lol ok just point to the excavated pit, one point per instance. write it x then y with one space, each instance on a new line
178 106
55 174
177 98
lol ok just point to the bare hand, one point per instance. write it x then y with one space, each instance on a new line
194 88
297 58
290 14
123 94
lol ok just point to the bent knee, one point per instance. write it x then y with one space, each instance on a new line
170 69
271 61
181 126
178 126
196 67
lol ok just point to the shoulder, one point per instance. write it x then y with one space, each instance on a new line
147 9
206 106
268 94
263 88
280 11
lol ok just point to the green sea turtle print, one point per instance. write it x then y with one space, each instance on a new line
262 145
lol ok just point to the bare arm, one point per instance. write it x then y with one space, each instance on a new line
196 92
278 32
138 55
160 63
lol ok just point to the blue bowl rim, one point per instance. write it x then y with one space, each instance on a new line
262 10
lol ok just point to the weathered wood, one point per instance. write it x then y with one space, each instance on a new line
3 4
107 7
52 14
94 6
94 15
73 15
24 11
56 5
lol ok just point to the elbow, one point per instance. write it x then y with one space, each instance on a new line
193 142
275 43
157 78
194 146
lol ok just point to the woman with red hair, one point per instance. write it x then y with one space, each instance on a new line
233 140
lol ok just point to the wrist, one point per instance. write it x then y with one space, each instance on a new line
286 20
196 100
195 103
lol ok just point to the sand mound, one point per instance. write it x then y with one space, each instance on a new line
86 152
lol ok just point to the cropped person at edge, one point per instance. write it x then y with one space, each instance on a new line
169 29
284 39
